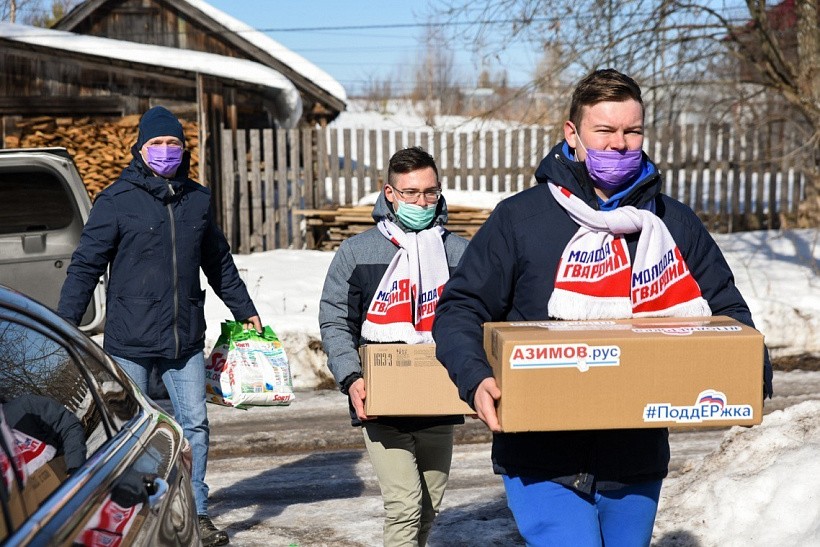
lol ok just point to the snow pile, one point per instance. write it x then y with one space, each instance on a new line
776 271
761 487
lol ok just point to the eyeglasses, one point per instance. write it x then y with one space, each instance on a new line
412 196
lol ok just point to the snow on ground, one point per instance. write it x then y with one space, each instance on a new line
759 488
404 115
777 273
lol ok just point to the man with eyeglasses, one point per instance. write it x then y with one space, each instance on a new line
371 294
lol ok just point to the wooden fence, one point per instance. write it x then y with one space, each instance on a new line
271 178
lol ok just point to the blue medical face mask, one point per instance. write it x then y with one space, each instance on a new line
612 169
414 216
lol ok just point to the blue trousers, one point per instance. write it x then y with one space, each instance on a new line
549 514
185 381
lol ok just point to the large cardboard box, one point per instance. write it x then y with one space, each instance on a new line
407 380
633 373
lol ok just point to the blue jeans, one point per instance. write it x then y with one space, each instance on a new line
548 513
185 381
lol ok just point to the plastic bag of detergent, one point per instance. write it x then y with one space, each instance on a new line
248 369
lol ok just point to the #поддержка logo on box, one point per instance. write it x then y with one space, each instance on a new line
709 405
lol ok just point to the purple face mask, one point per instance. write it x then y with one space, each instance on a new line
612 169
164 160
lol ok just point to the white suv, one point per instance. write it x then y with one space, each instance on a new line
43 208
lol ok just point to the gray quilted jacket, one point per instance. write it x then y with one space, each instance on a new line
351 282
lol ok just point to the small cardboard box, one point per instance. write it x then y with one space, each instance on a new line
407 380
38 486
20 506
45 479
631 373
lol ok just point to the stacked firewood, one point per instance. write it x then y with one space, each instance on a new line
329 227
101 147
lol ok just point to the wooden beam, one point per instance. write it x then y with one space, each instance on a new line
202 124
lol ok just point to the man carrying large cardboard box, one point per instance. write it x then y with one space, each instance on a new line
383 286
594 239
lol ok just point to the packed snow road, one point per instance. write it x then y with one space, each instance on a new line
299 475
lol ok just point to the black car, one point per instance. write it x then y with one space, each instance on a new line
85 458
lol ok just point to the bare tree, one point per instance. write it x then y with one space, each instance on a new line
8 10
32 12
377 92
47 18
690 56
436 89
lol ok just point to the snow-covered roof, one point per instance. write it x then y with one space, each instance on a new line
274 48
287 97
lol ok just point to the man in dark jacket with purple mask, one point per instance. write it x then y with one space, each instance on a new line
155 229
597 191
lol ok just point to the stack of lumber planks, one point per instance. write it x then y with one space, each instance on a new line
327 228
101 147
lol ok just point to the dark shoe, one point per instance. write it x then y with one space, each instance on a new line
210 535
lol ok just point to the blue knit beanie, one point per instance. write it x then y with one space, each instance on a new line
159 122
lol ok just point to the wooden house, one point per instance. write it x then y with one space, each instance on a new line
196 25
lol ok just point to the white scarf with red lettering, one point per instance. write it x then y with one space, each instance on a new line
595 279
404 306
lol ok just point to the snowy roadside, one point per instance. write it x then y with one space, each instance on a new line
731 487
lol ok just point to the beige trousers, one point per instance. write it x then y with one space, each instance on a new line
412 469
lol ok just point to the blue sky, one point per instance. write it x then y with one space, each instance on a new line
354 56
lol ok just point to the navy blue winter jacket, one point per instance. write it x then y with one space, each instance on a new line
156 234
508 273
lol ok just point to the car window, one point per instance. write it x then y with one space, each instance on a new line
33 201
61 404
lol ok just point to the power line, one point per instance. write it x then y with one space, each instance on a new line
742 17
474 22
442 24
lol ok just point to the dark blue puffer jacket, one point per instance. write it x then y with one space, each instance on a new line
508 272
156 234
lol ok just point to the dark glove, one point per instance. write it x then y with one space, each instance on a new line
348 381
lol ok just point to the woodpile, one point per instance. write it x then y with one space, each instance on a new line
327 228
101 148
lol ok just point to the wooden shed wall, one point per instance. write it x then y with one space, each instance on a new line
34 82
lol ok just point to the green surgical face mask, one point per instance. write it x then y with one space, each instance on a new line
414 216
